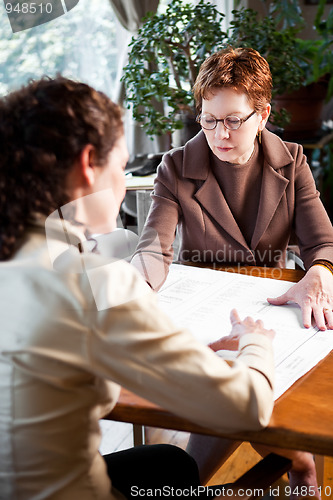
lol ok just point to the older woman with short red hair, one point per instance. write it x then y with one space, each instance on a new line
237 194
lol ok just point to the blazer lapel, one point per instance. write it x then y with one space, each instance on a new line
212 199
273 186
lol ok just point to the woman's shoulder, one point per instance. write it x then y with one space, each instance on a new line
279 153
189 160
103 282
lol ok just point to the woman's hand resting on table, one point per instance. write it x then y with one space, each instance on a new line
240 328
314 295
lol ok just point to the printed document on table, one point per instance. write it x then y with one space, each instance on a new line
201 300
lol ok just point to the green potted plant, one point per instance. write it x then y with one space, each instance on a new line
164 60
323 59
302 69
166 54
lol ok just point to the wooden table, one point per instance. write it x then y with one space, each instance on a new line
302 418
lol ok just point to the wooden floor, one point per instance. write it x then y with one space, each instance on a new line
117 436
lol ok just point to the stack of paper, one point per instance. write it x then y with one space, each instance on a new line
201 300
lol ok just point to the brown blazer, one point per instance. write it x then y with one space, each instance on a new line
187 194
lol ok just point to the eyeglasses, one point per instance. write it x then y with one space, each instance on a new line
209 122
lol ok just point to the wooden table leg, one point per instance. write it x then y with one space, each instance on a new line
138 435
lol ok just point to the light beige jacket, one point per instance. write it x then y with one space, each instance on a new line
62 362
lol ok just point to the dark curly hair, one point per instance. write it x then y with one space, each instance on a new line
44 127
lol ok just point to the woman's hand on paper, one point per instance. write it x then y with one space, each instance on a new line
314 295
240 328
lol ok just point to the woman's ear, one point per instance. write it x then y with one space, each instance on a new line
264 116
87 163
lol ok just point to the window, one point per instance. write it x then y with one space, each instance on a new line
225 6
83 44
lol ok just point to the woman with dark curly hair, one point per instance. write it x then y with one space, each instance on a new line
36 156
74 326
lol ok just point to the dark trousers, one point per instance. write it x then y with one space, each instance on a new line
155 471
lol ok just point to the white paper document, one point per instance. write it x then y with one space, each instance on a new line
201 300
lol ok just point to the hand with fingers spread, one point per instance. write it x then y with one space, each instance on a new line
314 295
240 328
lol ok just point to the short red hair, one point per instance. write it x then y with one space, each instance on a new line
242 69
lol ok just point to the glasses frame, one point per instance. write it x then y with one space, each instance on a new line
241 121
